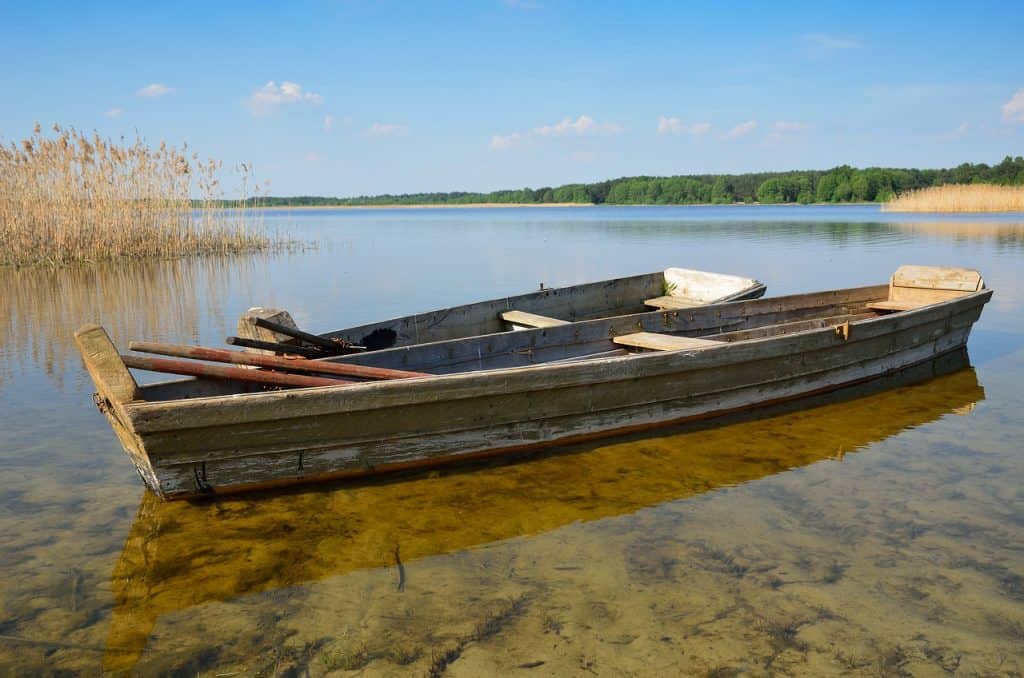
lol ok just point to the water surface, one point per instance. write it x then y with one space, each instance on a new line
878 533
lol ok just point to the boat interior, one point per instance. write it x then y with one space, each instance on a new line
673 288
692 329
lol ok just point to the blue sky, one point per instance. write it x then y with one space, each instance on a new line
352 97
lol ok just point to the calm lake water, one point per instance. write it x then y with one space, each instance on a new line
877 533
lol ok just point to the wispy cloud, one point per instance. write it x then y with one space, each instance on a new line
272 94
503 142
827 42
384 129
673 125
741 129
328 123
114 112
583 125
784 129
1013 110
157 89
961 130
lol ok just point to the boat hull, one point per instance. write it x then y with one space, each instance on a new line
196 447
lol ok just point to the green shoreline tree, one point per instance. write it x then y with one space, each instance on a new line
837 185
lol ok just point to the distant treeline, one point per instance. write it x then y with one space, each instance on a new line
837 185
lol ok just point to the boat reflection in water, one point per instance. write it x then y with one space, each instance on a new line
178 554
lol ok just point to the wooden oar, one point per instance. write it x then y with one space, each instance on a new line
220 355
304 351
191 369
326 345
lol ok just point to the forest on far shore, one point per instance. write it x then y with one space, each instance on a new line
836 185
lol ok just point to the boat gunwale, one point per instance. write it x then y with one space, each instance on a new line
146 417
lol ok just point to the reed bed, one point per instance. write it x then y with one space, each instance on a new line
78 198
959 198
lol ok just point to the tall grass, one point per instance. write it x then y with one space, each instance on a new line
959 198
74 197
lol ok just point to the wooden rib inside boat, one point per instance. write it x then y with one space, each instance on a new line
510 391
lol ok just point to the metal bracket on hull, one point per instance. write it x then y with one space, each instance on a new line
201 484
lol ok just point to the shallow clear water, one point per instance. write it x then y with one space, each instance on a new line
877 533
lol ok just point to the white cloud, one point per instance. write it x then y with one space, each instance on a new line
583 125
273 94
383 129
156 89
114 112
1013 110
961 130
829 42
675 125
785 129
504 142
328 123
790 126
741 129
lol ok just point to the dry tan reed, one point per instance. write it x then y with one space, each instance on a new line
959 198
73 198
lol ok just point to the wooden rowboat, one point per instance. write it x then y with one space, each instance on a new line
513 391
672 289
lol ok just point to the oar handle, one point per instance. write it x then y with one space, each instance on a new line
221 355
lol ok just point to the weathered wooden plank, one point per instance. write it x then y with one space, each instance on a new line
894 305
112 379
655 341
919 296
789 327
247 329
669 302
530 320
937 278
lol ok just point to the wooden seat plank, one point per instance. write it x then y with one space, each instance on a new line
524 319
669 303
894 305
662 342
